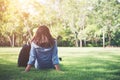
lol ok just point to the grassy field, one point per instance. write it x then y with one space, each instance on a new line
77 64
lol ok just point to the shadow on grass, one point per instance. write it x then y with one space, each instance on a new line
91 68
8 70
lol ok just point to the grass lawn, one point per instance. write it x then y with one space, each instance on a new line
77 64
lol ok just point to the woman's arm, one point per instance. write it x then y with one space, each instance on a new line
55 58
32 58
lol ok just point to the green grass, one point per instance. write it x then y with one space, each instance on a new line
77 64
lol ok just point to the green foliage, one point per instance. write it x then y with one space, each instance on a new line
77 22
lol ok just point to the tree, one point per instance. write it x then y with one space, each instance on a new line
107 17
74 13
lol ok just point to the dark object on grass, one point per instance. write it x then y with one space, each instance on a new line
24 55
60 58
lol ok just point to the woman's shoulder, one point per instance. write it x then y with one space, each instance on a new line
34 45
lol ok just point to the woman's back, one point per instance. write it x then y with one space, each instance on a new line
44 57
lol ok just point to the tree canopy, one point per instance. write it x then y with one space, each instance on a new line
72 22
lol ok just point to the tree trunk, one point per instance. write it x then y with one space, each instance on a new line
76 42
96 42
103 39
80 42
76 39
85 42
9 38
109 38
28 29
109 41
12 40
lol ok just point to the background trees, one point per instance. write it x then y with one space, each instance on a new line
107 14
72 22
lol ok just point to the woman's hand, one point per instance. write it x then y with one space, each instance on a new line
27 69
57 67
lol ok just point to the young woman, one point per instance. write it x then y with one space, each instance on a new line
44 52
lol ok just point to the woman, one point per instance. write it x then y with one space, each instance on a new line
43 53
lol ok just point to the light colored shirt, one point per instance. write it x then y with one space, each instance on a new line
43 58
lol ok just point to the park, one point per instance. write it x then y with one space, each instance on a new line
87 35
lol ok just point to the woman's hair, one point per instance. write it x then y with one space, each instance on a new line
43 37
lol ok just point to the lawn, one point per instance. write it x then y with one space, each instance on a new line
77 64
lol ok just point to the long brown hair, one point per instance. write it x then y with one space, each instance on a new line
43 37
